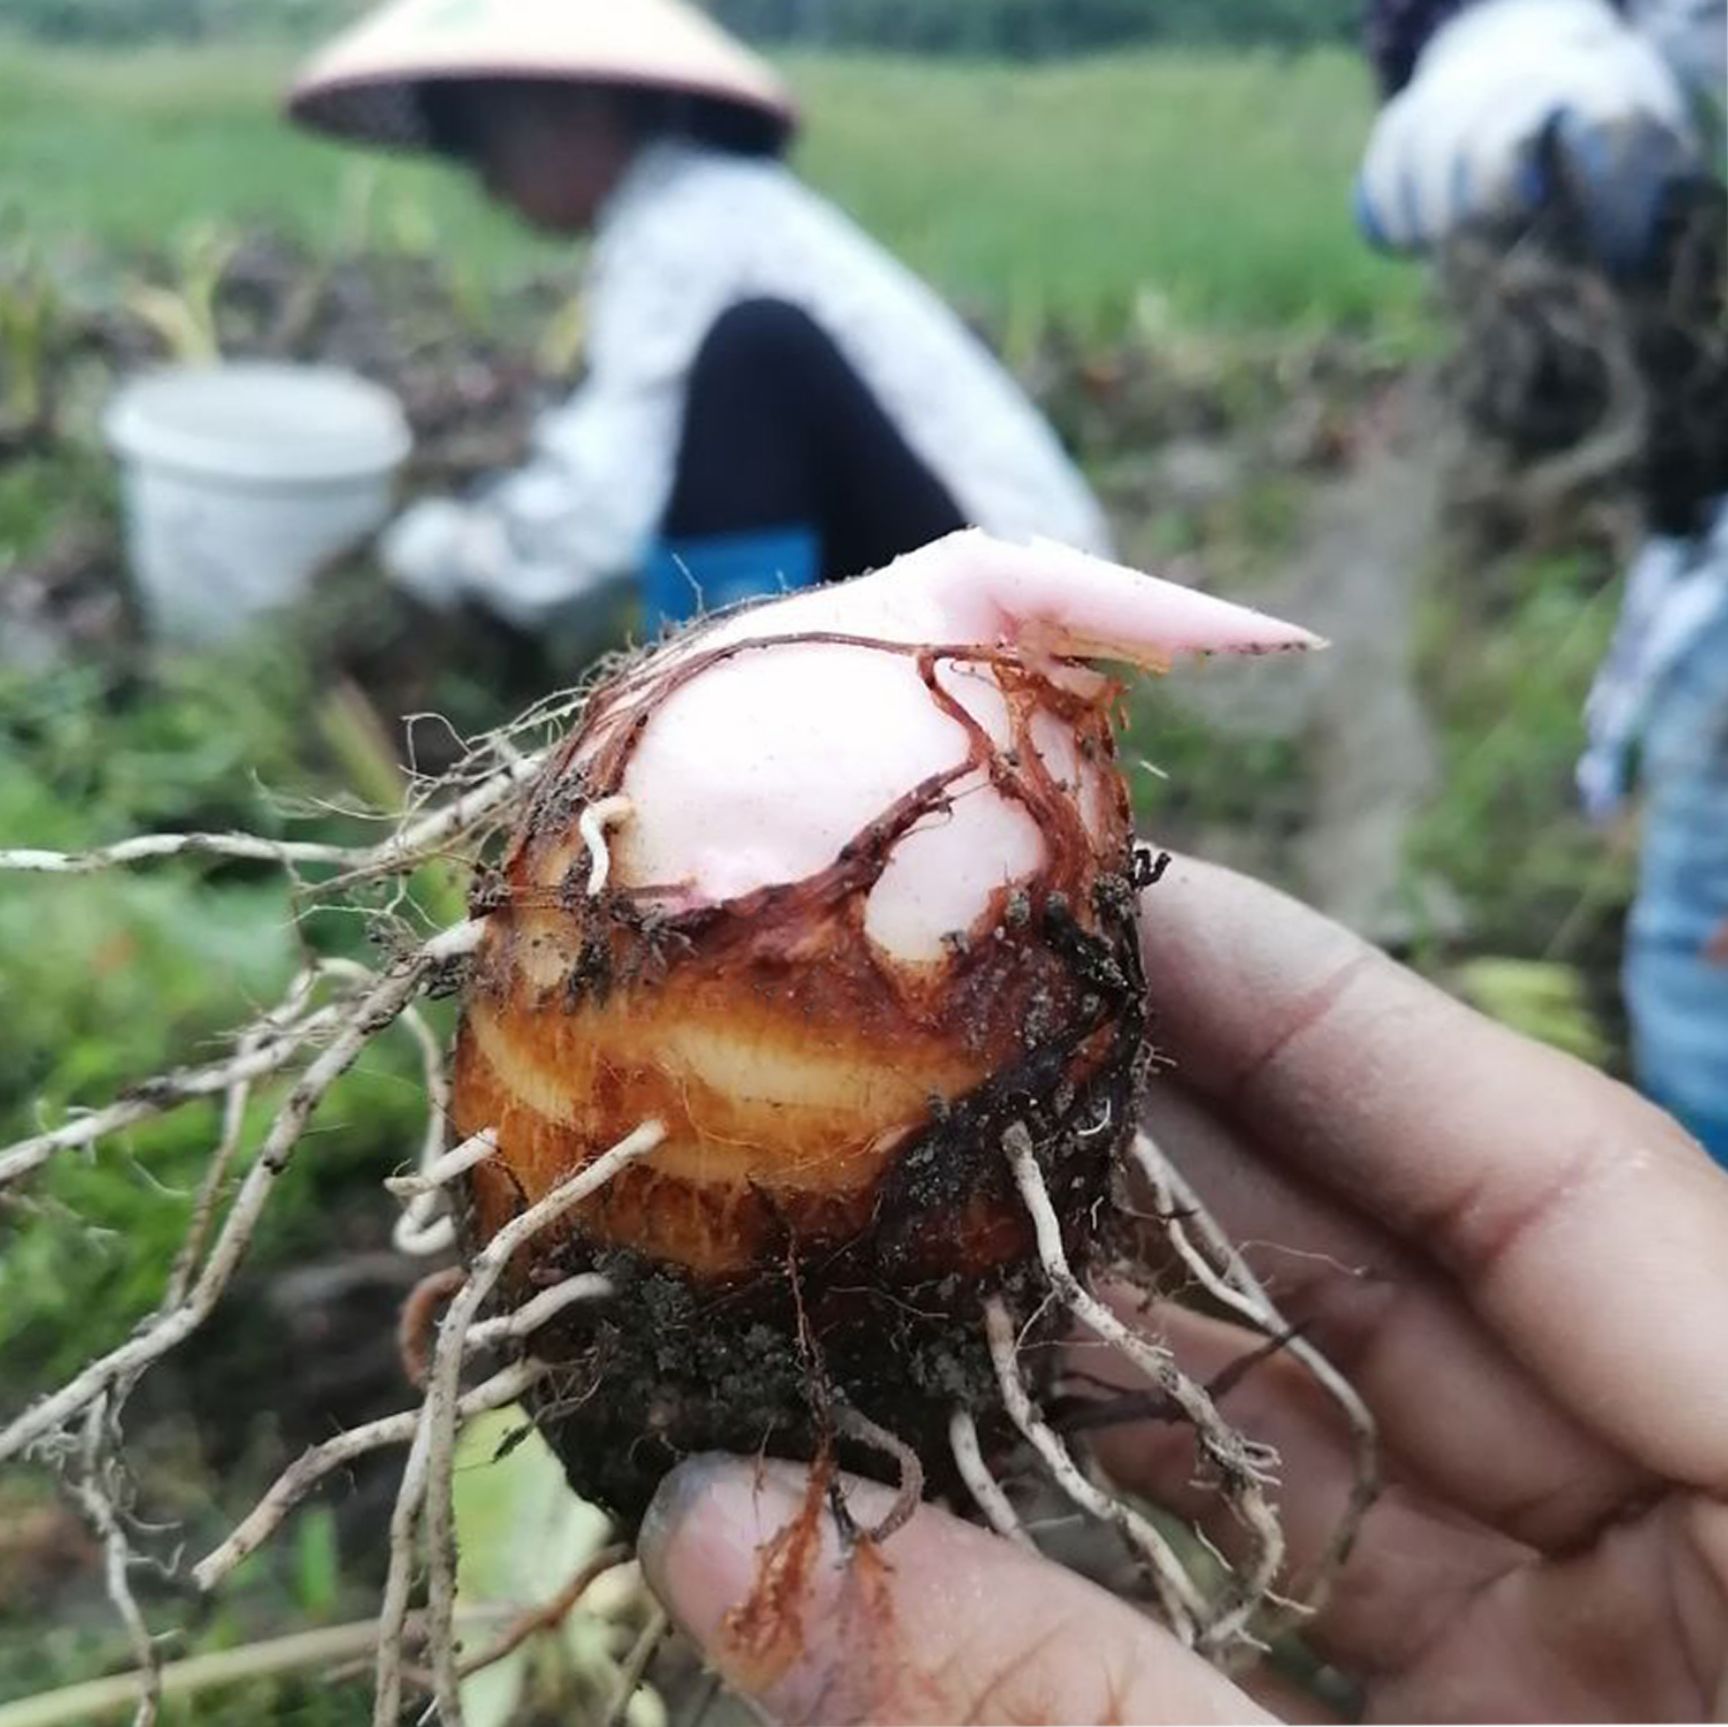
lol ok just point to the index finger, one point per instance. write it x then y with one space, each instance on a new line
1582 1224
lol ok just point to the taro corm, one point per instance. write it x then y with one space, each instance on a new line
840 894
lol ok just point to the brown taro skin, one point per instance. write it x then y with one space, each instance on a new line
831 1194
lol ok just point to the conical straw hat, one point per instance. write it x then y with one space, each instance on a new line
363 86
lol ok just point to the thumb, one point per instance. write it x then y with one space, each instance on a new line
944 1622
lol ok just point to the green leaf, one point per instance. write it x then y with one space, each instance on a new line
521 1533
317 1567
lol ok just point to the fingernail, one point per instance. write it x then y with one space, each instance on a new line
702 1548
694 1480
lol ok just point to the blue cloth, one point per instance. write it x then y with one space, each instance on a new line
684 577
1662 698
1679 1009
1676 598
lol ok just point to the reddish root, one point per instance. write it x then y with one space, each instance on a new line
857 1425
864 1686
765 1632
419 1314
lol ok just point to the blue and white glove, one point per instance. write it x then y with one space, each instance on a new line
1518 103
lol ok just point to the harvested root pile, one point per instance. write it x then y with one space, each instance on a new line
794 1105
1583 390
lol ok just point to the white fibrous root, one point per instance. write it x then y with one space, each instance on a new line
800 964
987 1492
330 1013
316 1465
426 1481
1222 1273
93 1486
1177 1593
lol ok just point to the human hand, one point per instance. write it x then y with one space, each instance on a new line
1521 1265
1518 105
439 551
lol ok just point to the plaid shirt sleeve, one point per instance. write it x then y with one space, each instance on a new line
1676 599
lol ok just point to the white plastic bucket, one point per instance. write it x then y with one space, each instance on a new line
241 480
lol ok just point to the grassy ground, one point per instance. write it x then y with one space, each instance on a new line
1220 181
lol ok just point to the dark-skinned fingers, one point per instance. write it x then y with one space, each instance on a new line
1441 1621
1580 1224
1633 1627
1457 1412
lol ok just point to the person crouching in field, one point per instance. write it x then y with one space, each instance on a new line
1561 159
771 400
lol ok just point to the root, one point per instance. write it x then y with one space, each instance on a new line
91 1488
550 1615
425 1226
630 1675
330 1014
985 1489
1244 1468
375 1009
146 848
1180 1599
315 1465
234 1102
592 824
422 1231
412 844
1226 1276
426 1480
445 1168
522 1322
857 1425
766 1630
414 1324
265 1049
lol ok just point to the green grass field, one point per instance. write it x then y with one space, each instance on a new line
1218 180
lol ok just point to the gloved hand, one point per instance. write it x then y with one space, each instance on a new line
1517 104
439 551
447 553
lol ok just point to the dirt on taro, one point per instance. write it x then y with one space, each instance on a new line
1414 780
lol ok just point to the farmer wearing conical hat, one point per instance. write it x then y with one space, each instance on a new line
1562 159
771 400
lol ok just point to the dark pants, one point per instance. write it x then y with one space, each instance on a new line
780 432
